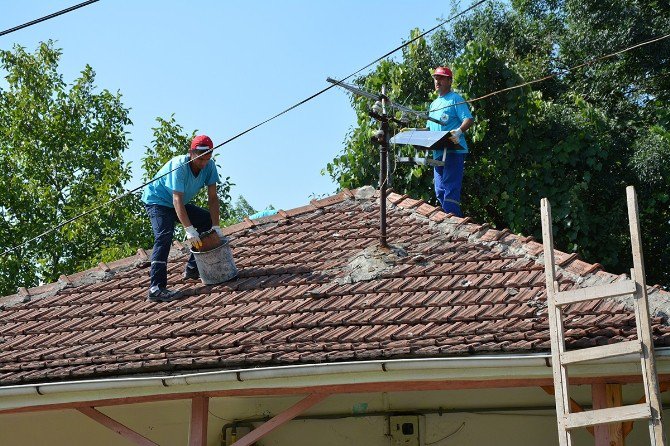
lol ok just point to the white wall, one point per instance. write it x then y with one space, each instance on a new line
166 423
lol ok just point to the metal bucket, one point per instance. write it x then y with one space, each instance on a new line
217 265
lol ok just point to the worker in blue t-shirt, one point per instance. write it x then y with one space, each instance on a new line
450 108
167 200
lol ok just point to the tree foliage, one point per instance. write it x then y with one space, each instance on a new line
577 138
60 148
238 211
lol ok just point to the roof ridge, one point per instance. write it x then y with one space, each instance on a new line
483 232
107 270
569 264
579 271
92 275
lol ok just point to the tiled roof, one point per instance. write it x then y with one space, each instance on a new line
313 287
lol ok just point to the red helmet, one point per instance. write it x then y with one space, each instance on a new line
443 71
202 142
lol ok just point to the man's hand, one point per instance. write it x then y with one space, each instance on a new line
218 230
193 237
455 135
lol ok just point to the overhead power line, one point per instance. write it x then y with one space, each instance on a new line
296 105
562 71
47 17
592 61
320 92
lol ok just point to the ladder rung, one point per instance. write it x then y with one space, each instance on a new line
601 352
609 415
615 289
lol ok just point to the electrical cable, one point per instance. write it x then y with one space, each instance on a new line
450 435
562 71
47 17
309 98
8 250
444 22
95 208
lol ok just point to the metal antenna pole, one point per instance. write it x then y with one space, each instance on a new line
389 103
383 170
383 112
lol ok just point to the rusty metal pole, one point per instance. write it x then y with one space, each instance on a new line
383 170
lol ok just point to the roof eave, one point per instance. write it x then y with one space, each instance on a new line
492 368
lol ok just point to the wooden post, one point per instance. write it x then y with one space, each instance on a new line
199 417
605 396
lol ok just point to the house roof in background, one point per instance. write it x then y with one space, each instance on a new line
314 287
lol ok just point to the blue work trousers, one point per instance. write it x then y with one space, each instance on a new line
448 180
163 221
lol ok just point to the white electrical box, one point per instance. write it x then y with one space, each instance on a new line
404 430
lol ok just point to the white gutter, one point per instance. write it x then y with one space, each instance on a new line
288 371
359 371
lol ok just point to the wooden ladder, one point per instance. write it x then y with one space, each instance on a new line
643 345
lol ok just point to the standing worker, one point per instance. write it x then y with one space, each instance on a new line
167 200
450 108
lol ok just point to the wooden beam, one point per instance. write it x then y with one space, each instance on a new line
605 396
280 419
388 386
199 417
117 427
574 405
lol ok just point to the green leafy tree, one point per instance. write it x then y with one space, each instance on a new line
61 150
578 138
408 83
238 211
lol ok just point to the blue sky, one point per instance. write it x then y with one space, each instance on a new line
223 66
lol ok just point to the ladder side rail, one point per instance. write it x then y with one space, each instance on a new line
647 361
609 415
555 328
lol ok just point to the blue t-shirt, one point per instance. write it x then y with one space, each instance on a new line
444 109
180 180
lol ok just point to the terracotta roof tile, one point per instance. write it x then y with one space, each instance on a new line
461 289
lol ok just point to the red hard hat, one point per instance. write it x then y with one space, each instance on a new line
200 142
443 71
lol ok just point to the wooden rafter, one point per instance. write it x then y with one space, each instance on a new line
117 427
574 405
628 425
388 386
280 419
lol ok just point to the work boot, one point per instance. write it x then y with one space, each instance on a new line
164 295
191 273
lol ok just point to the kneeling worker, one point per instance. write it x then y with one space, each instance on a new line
167 200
